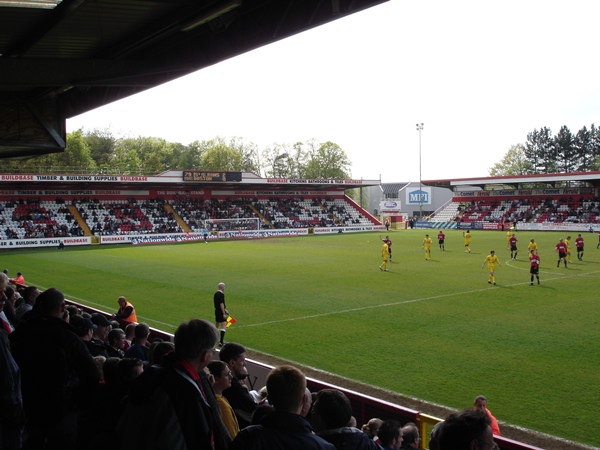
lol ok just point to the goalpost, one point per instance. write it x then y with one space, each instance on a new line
216 225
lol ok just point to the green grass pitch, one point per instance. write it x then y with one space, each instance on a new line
433 330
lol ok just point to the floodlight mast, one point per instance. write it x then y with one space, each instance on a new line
419 129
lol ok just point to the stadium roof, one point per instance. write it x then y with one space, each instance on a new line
61 58
551 179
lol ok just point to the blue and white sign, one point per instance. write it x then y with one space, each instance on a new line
389 206
419 196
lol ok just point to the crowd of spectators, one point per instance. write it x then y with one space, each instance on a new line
32 218
75 381
538 210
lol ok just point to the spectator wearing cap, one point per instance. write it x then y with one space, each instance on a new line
84 328
103 327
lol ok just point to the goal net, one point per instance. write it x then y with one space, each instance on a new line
216 225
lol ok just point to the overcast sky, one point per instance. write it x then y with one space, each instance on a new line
479 74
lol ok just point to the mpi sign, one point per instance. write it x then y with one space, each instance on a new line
419 196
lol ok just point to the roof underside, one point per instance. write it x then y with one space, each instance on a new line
63 58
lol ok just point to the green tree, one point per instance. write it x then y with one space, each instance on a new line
565 150
328 160
514 162
102 144
221 156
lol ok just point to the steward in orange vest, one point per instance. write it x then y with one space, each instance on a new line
126 311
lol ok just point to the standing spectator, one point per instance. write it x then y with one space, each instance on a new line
441 239
465 431
223 376
579 244
491 260
561 249
387 224
242 402
480 404
12 416
221 312
53 397
174 407
427 246
534 266
284 428
390 435
331 415
126 311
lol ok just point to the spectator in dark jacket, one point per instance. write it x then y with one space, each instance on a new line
58 373
330 417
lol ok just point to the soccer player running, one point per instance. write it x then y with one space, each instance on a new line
385 254
491 260
534 269
427 246
441 239
579 244
561 249
568 244
513 247
467 237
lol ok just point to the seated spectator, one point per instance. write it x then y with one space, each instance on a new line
84 328
331 415
260 412
174 407
19 280
240 399
103 326
115 343
129 334
480 404
466 430
390 434
372 428
157 352
126 311
284 428
139 346
223 376
410 437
